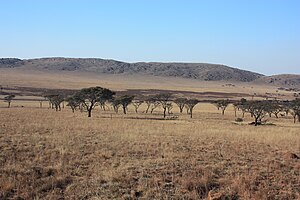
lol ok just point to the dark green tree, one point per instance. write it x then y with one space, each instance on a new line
91 97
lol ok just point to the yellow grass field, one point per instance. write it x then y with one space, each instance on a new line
78 80
60 155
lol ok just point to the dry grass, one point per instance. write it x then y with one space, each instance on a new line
51 155
76 80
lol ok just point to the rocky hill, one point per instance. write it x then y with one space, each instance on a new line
200 71
282 80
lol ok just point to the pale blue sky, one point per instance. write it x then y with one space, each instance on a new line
256 35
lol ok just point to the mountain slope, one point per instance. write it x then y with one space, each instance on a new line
282 80
199 71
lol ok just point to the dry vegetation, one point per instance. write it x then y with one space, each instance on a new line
55 155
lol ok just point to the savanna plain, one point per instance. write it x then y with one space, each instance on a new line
46 154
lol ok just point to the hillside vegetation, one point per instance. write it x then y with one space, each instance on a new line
199 71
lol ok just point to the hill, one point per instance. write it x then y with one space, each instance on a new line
199 71
282 80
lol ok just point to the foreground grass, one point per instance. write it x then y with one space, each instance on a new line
51 155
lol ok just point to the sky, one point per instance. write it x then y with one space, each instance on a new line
256 35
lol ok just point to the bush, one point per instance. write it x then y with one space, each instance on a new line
239 119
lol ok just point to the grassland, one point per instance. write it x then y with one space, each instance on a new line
76 80
60 155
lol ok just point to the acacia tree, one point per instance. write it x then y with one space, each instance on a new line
286 107
102 104
222 104
116 103
125 101
8 99
295 109
148 102
73 103
152 104
242 105
164 100
190 104
180 102
169 108
258 110
137 104
274 108
91 97
55 100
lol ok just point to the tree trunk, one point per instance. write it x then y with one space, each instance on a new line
256 121
124 110
147 108
181 109
165 109
89 113
235 112
191 112
223 111
8 104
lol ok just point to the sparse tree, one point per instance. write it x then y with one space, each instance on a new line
222 104
73 103
56 100
190 104
90 97
137 104
116 103
153 106
169 108
275 108
9 99
286 107
243 106
125 101
180 102
295 109
102 104
235 107
258 110
164 100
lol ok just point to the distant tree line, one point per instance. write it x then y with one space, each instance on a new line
88 98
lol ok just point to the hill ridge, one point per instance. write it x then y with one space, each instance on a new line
199 71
